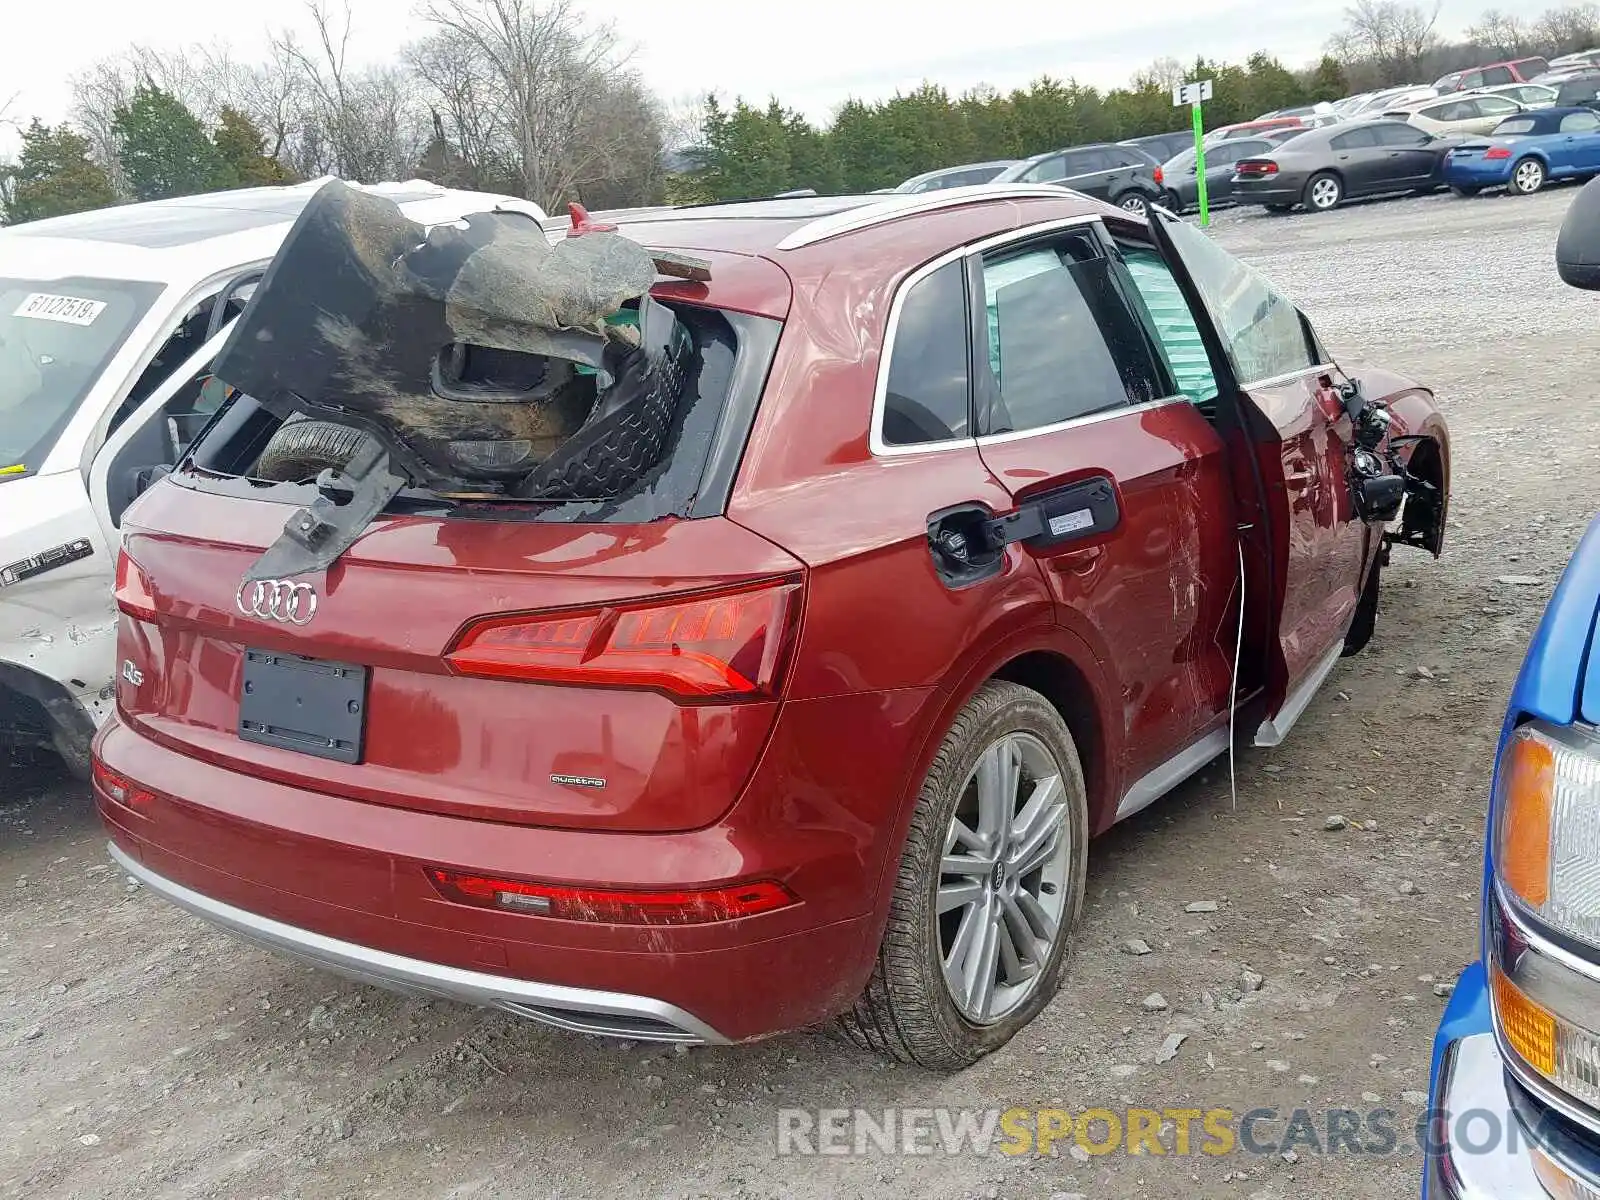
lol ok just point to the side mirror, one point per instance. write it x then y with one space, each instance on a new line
1578 244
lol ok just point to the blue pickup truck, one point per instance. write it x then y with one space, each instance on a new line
1515 1092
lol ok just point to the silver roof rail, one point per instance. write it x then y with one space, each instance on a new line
893 207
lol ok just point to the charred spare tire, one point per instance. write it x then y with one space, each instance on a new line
303 448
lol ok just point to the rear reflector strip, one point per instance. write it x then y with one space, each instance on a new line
121 789
608 907
729 645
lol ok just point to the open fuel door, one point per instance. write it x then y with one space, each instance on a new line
1313 552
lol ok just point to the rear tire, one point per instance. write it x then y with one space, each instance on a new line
1324 191
1468 190
302 448
1136 203
909 1010
1527 176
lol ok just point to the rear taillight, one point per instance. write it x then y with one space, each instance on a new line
119 788
1161 176
1257 168
1497 152
134 594
609 907
729 645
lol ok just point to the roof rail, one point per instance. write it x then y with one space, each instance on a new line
892 207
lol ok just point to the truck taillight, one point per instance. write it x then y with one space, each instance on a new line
609 906
728 645
133 592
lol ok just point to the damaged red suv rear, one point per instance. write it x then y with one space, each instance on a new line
728 619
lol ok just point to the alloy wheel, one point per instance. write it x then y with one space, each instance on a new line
1002 889
1529 177
1325 192
1136 204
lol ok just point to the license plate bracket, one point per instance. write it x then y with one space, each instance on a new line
308 705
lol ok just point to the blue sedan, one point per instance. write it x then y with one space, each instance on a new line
1526 151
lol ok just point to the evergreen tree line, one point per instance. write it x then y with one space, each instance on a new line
525 97
753 150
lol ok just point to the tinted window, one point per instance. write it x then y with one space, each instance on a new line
1051 168
1493 75
1400 135
926 396
1086 162
1232 152
56 336
1176 331
1583 122
1355 139
1062 341
1260 328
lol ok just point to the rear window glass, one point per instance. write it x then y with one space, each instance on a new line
56 337
926 397
1516 125
723 362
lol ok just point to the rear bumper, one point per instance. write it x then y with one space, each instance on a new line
1278 191
341 883
1477 173
582 1010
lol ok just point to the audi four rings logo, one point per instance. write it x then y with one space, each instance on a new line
277 600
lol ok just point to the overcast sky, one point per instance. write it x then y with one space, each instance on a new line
820 53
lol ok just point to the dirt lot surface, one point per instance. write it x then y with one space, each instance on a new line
142 1054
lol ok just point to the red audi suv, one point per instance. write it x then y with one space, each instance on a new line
694 625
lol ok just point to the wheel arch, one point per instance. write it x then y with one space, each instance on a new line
1060 665
38 710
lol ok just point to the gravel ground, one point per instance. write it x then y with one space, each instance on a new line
142 1054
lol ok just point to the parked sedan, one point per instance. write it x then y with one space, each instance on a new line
949 177
1183 182
1529 95
1459 115
1120 175
1321 168
1526 151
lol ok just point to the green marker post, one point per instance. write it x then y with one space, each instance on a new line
1194 95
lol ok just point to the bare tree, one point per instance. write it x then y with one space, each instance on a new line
365 125
473 115
1162 75
1503 33
565 85
1392 36
1564 30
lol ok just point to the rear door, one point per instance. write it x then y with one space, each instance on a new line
1319 549
1487 112
1413 159
1090 171
1358 157
1077 413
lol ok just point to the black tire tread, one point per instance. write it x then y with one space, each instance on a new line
895 1016
300 449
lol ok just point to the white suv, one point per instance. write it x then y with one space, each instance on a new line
109 321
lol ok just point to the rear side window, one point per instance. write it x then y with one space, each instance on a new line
1494 106
1355 139
1518 125
1086 162
926 398
1062 342
1401 135
1584 122
1494 75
